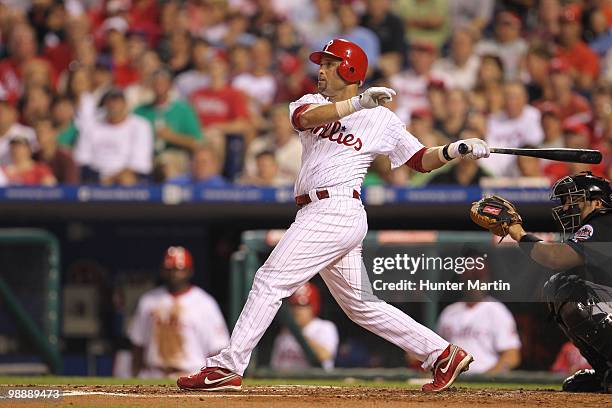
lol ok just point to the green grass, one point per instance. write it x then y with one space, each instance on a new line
53 380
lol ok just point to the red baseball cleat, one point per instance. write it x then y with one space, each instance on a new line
211 379
452 362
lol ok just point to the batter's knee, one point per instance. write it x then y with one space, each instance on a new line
360 312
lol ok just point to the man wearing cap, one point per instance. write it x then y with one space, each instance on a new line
117 149
508 44
321 335
176 324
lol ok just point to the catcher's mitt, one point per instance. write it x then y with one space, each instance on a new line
495 214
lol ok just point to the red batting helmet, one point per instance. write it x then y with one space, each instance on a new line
354 60
307 295
177 257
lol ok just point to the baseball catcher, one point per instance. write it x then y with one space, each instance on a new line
579 295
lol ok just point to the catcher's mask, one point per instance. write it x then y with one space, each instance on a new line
569 191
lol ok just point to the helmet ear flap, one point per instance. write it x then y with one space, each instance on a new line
348 72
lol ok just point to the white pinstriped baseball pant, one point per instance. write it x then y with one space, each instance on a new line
325 238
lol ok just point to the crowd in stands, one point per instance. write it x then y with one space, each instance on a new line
125 92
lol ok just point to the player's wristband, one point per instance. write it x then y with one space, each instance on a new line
443 154
348 106
527 242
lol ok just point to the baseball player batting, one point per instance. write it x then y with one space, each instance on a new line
341 133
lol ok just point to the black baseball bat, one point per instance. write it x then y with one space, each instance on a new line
565 155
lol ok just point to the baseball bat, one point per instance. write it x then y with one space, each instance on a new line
587 156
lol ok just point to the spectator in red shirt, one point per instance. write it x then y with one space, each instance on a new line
58 159
24 170
573 107
222 109
582 59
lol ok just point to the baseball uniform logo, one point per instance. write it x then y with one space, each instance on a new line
219 380
583 233
332 133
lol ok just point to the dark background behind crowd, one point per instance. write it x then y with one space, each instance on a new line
126 92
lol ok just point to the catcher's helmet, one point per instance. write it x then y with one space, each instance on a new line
354 60
570 190
177 257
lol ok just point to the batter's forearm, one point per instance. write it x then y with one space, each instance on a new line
317 115
431 158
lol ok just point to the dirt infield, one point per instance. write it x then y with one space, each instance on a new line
165 396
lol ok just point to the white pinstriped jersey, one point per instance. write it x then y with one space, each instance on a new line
339 154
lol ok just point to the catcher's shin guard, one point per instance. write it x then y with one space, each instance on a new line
583 310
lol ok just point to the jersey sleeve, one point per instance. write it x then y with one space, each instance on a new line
506 335
296 108
399 144
591 243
